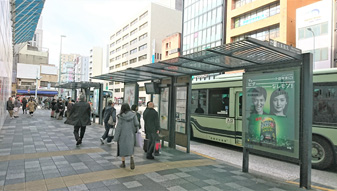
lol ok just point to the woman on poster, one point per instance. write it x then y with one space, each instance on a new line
279 102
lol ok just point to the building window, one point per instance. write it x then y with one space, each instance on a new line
125 45
144 46
133 32
262 34
133 60
112 59
112 44
125 36
133 22
133 41
118 57
320 54
124 63
112 52
117 66
117 90
111 83
143 57
240 3
126 28
112 36
118 33
133 51
118 41
143 26
125 54
111 67
117 83
319 29
256 15
142 36
118 49
143 16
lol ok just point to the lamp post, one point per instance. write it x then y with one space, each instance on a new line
313 34
59 81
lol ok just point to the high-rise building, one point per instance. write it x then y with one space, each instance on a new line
82 69
263 19
138 42
38 36
95 62
203 25
316 32
65 58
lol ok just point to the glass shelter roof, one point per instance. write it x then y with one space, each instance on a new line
244 54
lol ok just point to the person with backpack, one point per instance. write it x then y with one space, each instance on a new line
108 112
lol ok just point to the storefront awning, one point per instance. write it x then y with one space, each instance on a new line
239 55
25 17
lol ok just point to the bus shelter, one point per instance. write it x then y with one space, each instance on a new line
268 65
85 88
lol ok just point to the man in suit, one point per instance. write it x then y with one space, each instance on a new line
79 116
152 127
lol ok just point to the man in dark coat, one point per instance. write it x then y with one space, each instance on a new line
152 128
79 117
10 107
109 110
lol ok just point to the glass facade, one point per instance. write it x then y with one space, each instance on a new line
203 23
6 57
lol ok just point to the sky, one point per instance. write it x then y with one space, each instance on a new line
85 23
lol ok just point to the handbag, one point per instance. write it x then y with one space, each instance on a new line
111 121
111 132
139 139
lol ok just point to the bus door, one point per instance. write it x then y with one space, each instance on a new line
238 117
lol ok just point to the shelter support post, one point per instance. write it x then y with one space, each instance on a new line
75 94
87 94
306 121
245 161
172 114
100 106
188 113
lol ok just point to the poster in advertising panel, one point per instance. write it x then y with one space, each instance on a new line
95 103
131 94
270 110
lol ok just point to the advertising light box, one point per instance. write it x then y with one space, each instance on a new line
271 117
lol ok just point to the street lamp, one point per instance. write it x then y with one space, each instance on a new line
309 29
38 77
59 90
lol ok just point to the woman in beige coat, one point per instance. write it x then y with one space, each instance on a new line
31 106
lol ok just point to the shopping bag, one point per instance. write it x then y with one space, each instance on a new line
139 139
146 143
157 148
111 132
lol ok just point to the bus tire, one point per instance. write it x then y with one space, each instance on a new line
322 154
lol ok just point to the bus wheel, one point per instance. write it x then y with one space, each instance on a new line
322 155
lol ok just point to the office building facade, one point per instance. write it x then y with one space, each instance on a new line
203 25
139 42
263 20
316 33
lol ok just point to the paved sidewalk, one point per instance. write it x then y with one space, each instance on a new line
39 153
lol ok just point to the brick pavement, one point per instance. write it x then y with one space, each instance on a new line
39 153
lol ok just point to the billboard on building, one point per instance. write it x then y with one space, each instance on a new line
271 119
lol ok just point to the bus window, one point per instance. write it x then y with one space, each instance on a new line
219 101
199 101
325 104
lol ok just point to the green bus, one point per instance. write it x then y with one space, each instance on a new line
216 113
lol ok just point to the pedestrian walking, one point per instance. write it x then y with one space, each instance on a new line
10 107
127 125
69 106
60 109
17 105
24 105
152 128
79 117
109 111
53 108
31 106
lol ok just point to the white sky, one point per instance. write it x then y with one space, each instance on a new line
85 23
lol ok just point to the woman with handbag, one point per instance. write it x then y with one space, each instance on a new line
109 118
125 131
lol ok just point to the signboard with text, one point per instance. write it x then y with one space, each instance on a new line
271 119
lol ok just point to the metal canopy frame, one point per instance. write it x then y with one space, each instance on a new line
244 54
25 17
